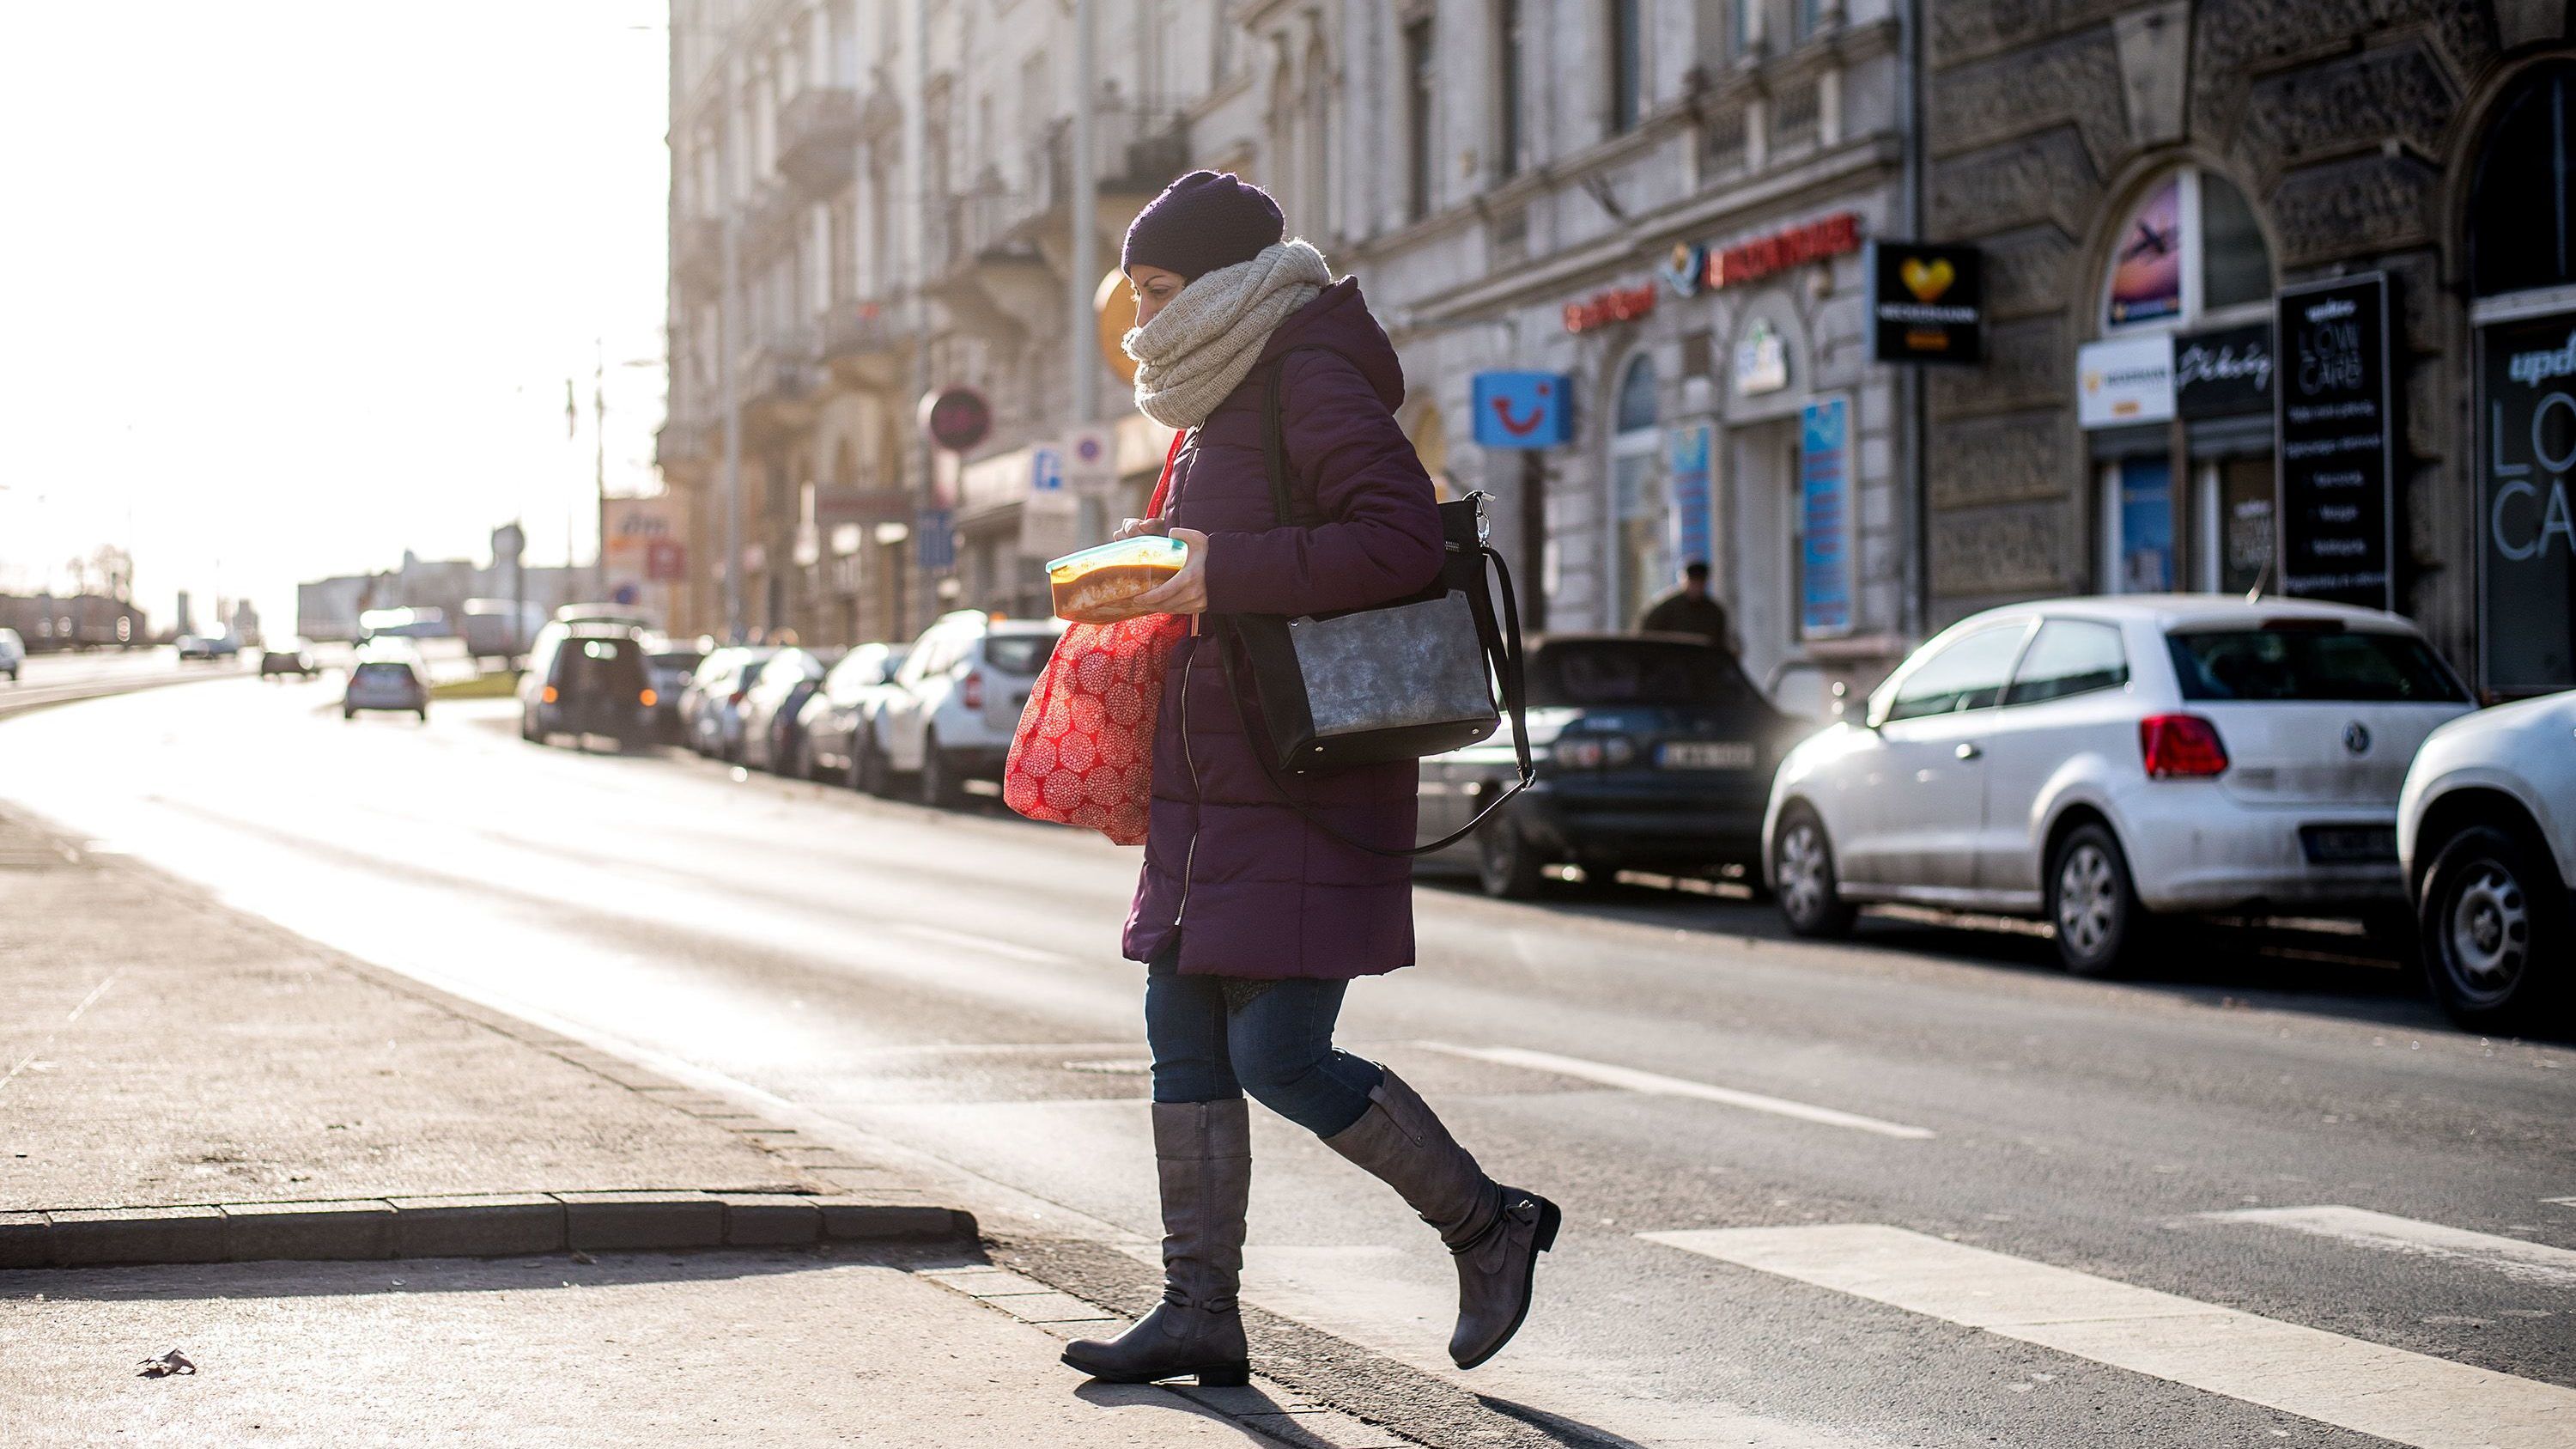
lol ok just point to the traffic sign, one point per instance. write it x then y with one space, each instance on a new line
1046 470
934 545
1091 459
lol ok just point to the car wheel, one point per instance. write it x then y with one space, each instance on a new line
1507 867
347 713
936 786
2496 935
2092 904
1802 859
868 763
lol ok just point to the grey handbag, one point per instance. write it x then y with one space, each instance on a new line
1414 677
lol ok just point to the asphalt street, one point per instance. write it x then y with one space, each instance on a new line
1914 1189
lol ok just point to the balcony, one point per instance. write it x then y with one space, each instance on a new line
818 137
863 342
780 382
697 250
1136 152
992 278
769 216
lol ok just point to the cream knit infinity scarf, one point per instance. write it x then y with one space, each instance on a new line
1203 343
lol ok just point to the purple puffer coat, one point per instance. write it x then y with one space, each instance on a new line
1248 885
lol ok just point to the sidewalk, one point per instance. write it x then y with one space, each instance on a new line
180 1083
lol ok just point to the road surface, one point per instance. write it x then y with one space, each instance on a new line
1915 1189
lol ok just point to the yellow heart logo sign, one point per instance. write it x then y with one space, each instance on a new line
1927 283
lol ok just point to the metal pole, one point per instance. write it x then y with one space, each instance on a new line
731 264
599 458
916 180
1085 207
1914 502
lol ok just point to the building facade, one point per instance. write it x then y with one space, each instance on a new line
2236 185
1624 248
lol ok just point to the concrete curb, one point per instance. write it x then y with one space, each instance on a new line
487 1226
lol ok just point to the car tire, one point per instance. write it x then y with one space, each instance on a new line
868 765
2093 905
347 713
421 714
1802 860
1507 867
2497 938
937 787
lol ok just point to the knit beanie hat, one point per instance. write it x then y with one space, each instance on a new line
1204 221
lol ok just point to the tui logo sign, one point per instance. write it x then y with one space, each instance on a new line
1523 409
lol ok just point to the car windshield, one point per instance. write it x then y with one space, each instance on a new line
2306 663
1018 653
600 666
1590 672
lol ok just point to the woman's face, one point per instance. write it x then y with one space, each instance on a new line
1154 287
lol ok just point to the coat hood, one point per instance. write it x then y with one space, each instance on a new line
1339 318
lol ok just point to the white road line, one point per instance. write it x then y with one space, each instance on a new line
2529 1262
991 946
2369 1388
1656 1084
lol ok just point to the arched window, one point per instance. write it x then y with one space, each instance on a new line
2189 258
2522 222
1641 554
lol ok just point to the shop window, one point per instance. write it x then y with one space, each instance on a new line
2234 507
1644 563
2137 526
2189 248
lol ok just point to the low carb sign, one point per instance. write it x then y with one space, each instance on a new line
2527 504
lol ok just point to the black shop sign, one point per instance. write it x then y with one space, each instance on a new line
2224 372
1926 303
2527 505
2336 523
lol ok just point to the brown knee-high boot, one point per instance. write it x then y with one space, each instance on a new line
1495 1233
1203 1155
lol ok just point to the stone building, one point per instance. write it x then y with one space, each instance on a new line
1661 209
891 181
2138 173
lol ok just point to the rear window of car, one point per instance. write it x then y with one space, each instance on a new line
1634 672
1018 653
2346 665
383 673
603 665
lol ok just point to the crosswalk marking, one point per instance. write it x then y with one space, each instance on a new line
2513 1257
2407 1398
1657 1084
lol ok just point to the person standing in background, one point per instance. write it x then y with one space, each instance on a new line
1691 610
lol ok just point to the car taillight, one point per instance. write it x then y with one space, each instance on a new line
647 698
549 695
738 695
2181 747
971 689
1593 752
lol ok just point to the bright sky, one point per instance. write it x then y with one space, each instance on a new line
289 286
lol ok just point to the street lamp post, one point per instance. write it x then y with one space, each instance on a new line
730 265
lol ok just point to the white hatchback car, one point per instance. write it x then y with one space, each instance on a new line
2097 761
2486 828
950 712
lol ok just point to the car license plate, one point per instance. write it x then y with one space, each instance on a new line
1706 755
2349 844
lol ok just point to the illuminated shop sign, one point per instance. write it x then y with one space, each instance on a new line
1619 304
1763 256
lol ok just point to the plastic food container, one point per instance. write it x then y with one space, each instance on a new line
1094 585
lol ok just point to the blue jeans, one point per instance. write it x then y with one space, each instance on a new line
1278 1047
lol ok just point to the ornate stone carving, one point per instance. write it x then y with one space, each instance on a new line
2008 459
2005 550
2154 47
1965 29
2026 272
2027 90
2027 364
2353 208
2044 178
2320 110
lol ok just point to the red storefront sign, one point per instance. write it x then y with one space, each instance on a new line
1794 246
1619 304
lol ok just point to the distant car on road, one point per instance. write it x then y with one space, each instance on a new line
2486 831
583 680
769 734
669 668
208 646
835 713
388 680
955 702
2099 762
288 656
711 709
13 654
1654 752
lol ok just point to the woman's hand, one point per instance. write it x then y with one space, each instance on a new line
1184 592
1136 526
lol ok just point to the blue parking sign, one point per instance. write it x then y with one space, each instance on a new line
1523 409
934 540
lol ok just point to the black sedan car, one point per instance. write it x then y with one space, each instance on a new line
1654 752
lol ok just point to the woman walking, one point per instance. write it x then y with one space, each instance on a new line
1252 921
